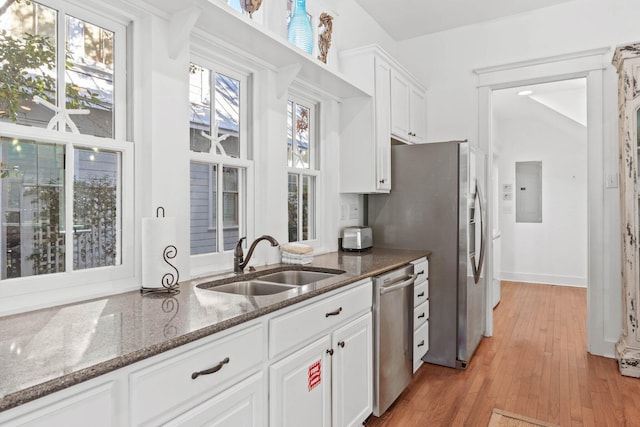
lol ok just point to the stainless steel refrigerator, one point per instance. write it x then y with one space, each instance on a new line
436 204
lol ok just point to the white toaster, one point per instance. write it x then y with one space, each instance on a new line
357 238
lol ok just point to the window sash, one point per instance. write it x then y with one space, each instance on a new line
123 267
213 158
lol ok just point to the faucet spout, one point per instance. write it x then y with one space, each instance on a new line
239 262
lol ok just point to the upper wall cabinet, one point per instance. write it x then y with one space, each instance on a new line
396 110
627 61
408 108
365 142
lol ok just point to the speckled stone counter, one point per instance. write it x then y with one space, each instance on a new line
48 350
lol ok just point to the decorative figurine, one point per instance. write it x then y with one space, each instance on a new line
250 6
324 37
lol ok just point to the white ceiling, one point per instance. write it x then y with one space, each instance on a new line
405 19
567 98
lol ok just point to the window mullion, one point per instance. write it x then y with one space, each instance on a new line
69 162
61 59
220 209
300 205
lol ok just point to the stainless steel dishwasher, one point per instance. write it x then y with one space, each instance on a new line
393 336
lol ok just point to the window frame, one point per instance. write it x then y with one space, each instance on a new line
37 291
314 170
222 259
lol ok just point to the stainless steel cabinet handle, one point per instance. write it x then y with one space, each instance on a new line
334 313
421 316
407 282
212 370
330 352
341 344
421 343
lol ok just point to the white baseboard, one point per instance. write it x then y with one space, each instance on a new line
546 279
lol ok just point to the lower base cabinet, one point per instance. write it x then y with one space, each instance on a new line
309 365
352 374
332 375
240 406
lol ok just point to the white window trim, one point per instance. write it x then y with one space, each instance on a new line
204 264
315 165
33 292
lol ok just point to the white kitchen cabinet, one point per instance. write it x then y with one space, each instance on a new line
365 147
72 407
331 369
408 108
352 365
300 387
186 382
240 406
396 109
420 311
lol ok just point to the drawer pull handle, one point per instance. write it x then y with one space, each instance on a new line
421 316
421 343
330 352
334 313
420 272
341 344
210 371
421 294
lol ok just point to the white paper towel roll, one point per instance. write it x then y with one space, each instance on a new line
157 234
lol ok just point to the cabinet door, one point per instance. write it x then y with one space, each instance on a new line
417 117
352 365
383 123
300 387
240 406
400 106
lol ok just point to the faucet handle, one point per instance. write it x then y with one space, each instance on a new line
238 251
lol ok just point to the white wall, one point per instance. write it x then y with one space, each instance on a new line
444 63
555 250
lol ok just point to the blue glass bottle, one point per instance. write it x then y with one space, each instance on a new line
300 31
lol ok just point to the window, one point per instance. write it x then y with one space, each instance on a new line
62 200
303 170
218 159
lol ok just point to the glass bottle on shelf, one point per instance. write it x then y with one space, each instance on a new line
300 31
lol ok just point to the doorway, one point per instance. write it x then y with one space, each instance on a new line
589 64
539 144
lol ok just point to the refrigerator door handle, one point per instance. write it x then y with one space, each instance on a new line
477 267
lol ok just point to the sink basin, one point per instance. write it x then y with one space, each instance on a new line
252 288
296 277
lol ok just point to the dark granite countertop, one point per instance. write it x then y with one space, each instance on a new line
47 350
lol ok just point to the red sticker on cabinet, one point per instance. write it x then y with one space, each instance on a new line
314 375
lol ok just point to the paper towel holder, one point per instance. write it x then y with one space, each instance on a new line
169 281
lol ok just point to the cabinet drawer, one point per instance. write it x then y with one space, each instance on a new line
420 293
162 387
291 329
421 268
420 344
420 314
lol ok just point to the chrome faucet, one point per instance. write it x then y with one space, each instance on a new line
239 263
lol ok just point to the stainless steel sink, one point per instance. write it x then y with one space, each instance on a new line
296 277
272 283
252 288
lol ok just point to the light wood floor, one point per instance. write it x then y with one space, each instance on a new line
536 365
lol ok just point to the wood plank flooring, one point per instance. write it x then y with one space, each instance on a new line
536 365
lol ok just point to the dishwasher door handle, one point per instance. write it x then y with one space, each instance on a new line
409 281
